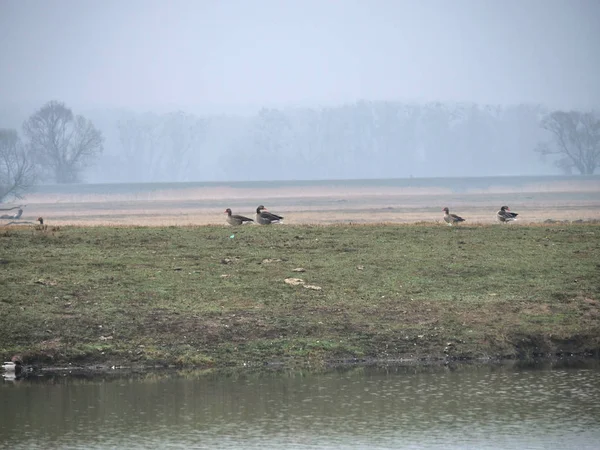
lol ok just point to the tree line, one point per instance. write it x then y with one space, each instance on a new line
360 140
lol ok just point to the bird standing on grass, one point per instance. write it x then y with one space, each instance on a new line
264 217
41 226
451 219
505 215
236 219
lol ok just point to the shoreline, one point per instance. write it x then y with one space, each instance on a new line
93 370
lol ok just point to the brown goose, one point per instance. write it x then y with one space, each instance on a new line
505 215
235 219
451 219
264 217
41 226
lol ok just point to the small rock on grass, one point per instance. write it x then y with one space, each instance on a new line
269 260
301 282
46 282
230 260
313 287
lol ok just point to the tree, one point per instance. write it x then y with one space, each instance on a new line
62 142
162 147
576 139
17 172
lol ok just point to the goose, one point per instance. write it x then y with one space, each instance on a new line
264 217
505 215
451 219
13 367
235 219
41 226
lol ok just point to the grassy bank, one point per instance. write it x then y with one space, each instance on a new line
217 296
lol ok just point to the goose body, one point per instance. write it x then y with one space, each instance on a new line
236 219
451 219
505 215
264 217
41 226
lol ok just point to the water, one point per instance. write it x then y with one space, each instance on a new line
484 407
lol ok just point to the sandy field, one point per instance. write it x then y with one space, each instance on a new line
323 204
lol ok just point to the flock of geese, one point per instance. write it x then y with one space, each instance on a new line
264 217
504 215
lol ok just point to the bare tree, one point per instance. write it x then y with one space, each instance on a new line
576 139
62 142
162 147
17 172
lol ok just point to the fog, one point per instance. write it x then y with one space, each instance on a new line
233 89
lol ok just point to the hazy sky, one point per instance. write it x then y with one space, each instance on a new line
225 53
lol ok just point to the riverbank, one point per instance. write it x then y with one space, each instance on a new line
216 296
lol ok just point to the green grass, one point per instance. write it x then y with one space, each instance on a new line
196 296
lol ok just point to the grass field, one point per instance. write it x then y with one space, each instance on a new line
216 295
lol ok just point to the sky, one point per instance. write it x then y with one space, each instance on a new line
226 54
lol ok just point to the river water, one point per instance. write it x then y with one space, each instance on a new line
533 406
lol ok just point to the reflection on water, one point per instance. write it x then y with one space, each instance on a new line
366 407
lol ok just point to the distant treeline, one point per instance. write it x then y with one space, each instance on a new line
360 140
